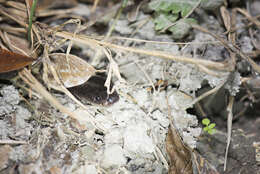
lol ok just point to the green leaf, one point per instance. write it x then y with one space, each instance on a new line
175 7
172 17
164 20
161 22
168 11
212 125
180 29
206 129
185 10
190 20
211 131
154 5
205 121
165 7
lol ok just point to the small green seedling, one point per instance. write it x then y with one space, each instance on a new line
209 127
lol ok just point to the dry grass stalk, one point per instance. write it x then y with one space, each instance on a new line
212 91
226 18
249 17
233 49
16 44
161 54
93 9
113 69
56 83
13 30
17 5
157 42
19 20
12 142
229 126
28 78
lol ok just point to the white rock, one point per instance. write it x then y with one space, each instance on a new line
137 140
114 136
86 169
113 156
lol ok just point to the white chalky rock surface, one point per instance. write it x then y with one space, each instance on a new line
88 169
113 156
136 138
9 100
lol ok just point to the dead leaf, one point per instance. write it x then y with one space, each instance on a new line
72 72
180 155
10 61
201 165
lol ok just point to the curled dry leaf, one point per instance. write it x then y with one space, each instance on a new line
183 159
80 79
201 165
10 61
72 72
179 154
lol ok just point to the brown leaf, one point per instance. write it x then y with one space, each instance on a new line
79 78
10 61
180 155
201 165
72 72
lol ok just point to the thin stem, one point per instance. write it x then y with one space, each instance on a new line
31 18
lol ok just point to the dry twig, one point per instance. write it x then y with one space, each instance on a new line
230 48
229 126
161 54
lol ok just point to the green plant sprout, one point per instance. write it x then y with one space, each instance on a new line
209 127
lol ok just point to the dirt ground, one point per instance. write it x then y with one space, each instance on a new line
102 85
